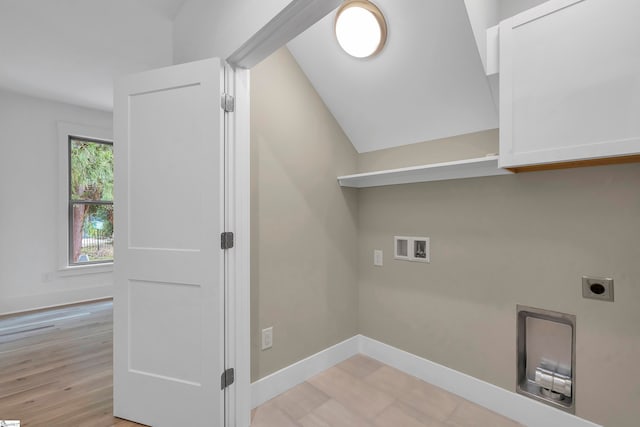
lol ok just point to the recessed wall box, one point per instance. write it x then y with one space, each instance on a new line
401 247
546 363
421 249
412 248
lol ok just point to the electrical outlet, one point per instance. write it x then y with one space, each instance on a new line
377 257
600 288
267 338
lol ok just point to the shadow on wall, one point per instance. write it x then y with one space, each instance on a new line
303 225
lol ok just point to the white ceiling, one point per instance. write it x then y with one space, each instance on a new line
71 50
427 83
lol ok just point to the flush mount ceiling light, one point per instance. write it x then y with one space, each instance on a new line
360 28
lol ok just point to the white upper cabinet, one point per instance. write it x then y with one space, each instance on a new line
570 82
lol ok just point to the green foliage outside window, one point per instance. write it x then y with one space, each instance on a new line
91 200
91 170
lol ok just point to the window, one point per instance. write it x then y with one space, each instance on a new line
90 200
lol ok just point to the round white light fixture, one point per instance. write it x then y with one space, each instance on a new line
360 28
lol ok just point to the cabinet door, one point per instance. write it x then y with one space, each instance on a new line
570 82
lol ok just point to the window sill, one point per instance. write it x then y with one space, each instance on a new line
78 270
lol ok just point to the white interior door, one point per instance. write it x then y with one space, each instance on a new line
169 266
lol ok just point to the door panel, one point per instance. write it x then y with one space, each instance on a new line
166 160
169 198
171 308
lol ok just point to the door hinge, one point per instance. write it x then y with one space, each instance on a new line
228 103
226 240
228 377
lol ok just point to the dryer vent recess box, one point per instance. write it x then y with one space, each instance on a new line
411 249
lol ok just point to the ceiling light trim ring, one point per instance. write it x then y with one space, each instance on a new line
375 11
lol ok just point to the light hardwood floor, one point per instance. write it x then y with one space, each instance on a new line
363 392
56 367
56 370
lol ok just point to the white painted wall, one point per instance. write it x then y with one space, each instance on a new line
29 271
508 8
216 28
482 15
487 13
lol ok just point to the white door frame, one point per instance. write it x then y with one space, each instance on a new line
294 19
238 262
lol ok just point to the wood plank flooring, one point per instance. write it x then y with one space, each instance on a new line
56 370
56 367
363 392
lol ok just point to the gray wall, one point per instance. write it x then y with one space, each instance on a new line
303 226
442 150
501 241
496 242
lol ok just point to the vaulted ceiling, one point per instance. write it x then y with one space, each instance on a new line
427 83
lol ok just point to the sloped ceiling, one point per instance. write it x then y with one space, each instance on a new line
427 83
72 50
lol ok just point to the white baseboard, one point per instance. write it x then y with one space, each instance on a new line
519 408
277 383
19 304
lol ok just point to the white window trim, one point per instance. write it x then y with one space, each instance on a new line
83 131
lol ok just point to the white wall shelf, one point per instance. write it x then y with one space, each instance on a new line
469 168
